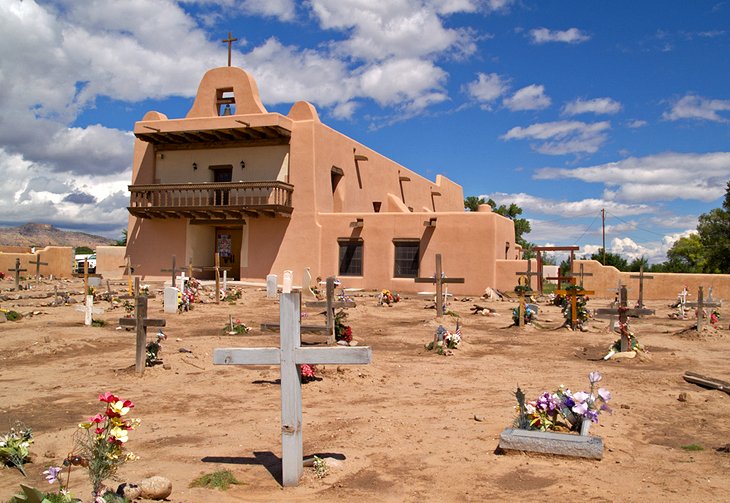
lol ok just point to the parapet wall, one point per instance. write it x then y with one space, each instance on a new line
110 261
60 261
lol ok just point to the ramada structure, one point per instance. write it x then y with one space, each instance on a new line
271 193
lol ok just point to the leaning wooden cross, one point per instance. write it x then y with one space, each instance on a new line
701 304
439 279
641 277
140 322
573 294
289 356
623 311
17 272
37 262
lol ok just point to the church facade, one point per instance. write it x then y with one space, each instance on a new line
271 193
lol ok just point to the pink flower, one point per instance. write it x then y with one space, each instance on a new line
97 419
108 397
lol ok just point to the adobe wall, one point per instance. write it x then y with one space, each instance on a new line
60 261
663 286
506 277
110 261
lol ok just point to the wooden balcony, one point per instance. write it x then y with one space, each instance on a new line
211 201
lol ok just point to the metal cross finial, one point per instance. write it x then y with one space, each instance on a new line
229 41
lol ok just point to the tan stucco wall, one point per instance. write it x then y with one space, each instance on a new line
60 261
110 261
663 286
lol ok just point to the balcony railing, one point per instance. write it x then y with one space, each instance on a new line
211 201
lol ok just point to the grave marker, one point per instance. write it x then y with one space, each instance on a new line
641 277
582 274
217 268
174 270
573 294
288 356
623 311
38 265
17 272
527 278
140 322
128 270
330 306
701 304
439 279
271 288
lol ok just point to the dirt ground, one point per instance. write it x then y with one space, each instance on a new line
410 426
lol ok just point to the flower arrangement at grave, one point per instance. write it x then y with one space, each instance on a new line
2 275
153 350
101 440
307 372
388 298
233 294
11 315
90 290
530 315
714 316
15 447
562 410
444 341
235 327
583 315
342 332
624 329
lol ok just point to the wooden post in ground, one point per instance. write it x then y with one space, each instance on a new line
17 272
289 356
439 279
140 322
38 265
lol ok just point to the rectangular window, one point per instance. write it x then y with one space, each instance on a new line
406 259
350 257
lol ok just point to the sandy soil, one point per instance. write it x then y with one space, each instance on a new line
400 429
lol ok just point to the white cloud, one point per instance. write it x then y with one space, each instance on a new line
285 10
568 209
570 36
666 176
487 89
531 97
696 107
597 106
562 137
637 123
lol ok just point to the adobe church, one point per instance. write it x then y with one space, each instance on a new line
271 193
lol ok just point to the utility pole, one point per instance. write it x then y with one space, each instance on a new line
603 227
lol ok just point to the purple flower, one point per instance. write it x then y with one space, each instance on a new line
52 473
580 408
604 394
594 377
592 415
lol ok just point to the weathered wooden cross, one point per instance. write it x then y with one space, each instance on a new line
701 304
641 277
289 356
573 294
439 279
140 322
525 277
174 271
582 274
568 278
330 305
38 265
17 272
623 311
217 268
128 271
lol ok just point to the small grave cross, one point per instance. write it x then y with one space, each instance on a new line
623 312
289 356
17 272
568 278
38 265
582 274
573 294
439 279
140 322
128 271
701 304
641 277
330 305
174 271
217 268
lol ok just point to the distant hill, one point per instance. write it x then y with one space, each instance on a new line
40 235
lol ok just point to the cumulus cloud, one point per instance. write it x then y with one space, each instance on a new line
665 176
568 209
569 36
487 89
562 137
637 123
696 107
531 97
599 106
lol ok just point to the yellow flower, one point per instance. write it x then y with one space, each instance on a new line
119 408
119 434
85 425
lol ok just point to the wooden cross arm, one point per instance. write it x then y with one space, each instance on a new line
338 304
577 292
131 266
132 322
443 280
37 263
213 268
704 304
272 356
308 329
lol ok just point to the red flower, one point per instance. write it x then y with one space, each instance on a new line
108 397
97 419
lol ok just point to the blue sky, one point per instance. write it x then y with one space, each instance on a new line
562 107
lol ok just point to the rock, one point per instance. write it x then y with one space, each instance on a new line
683 396
353 343
478 418
129 491
342 343
624 406
155 488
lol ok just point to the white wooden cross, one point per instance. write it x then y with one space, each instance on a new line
289 356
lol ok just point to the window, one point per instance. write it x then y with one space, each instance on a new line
350 257
406 259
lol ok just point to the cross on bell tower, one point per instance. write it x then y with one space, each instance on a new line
229 41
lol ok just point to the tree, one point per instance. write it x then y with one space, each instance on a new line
637 263
472 203
522 225
612 259
123 240
713 230
687 254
